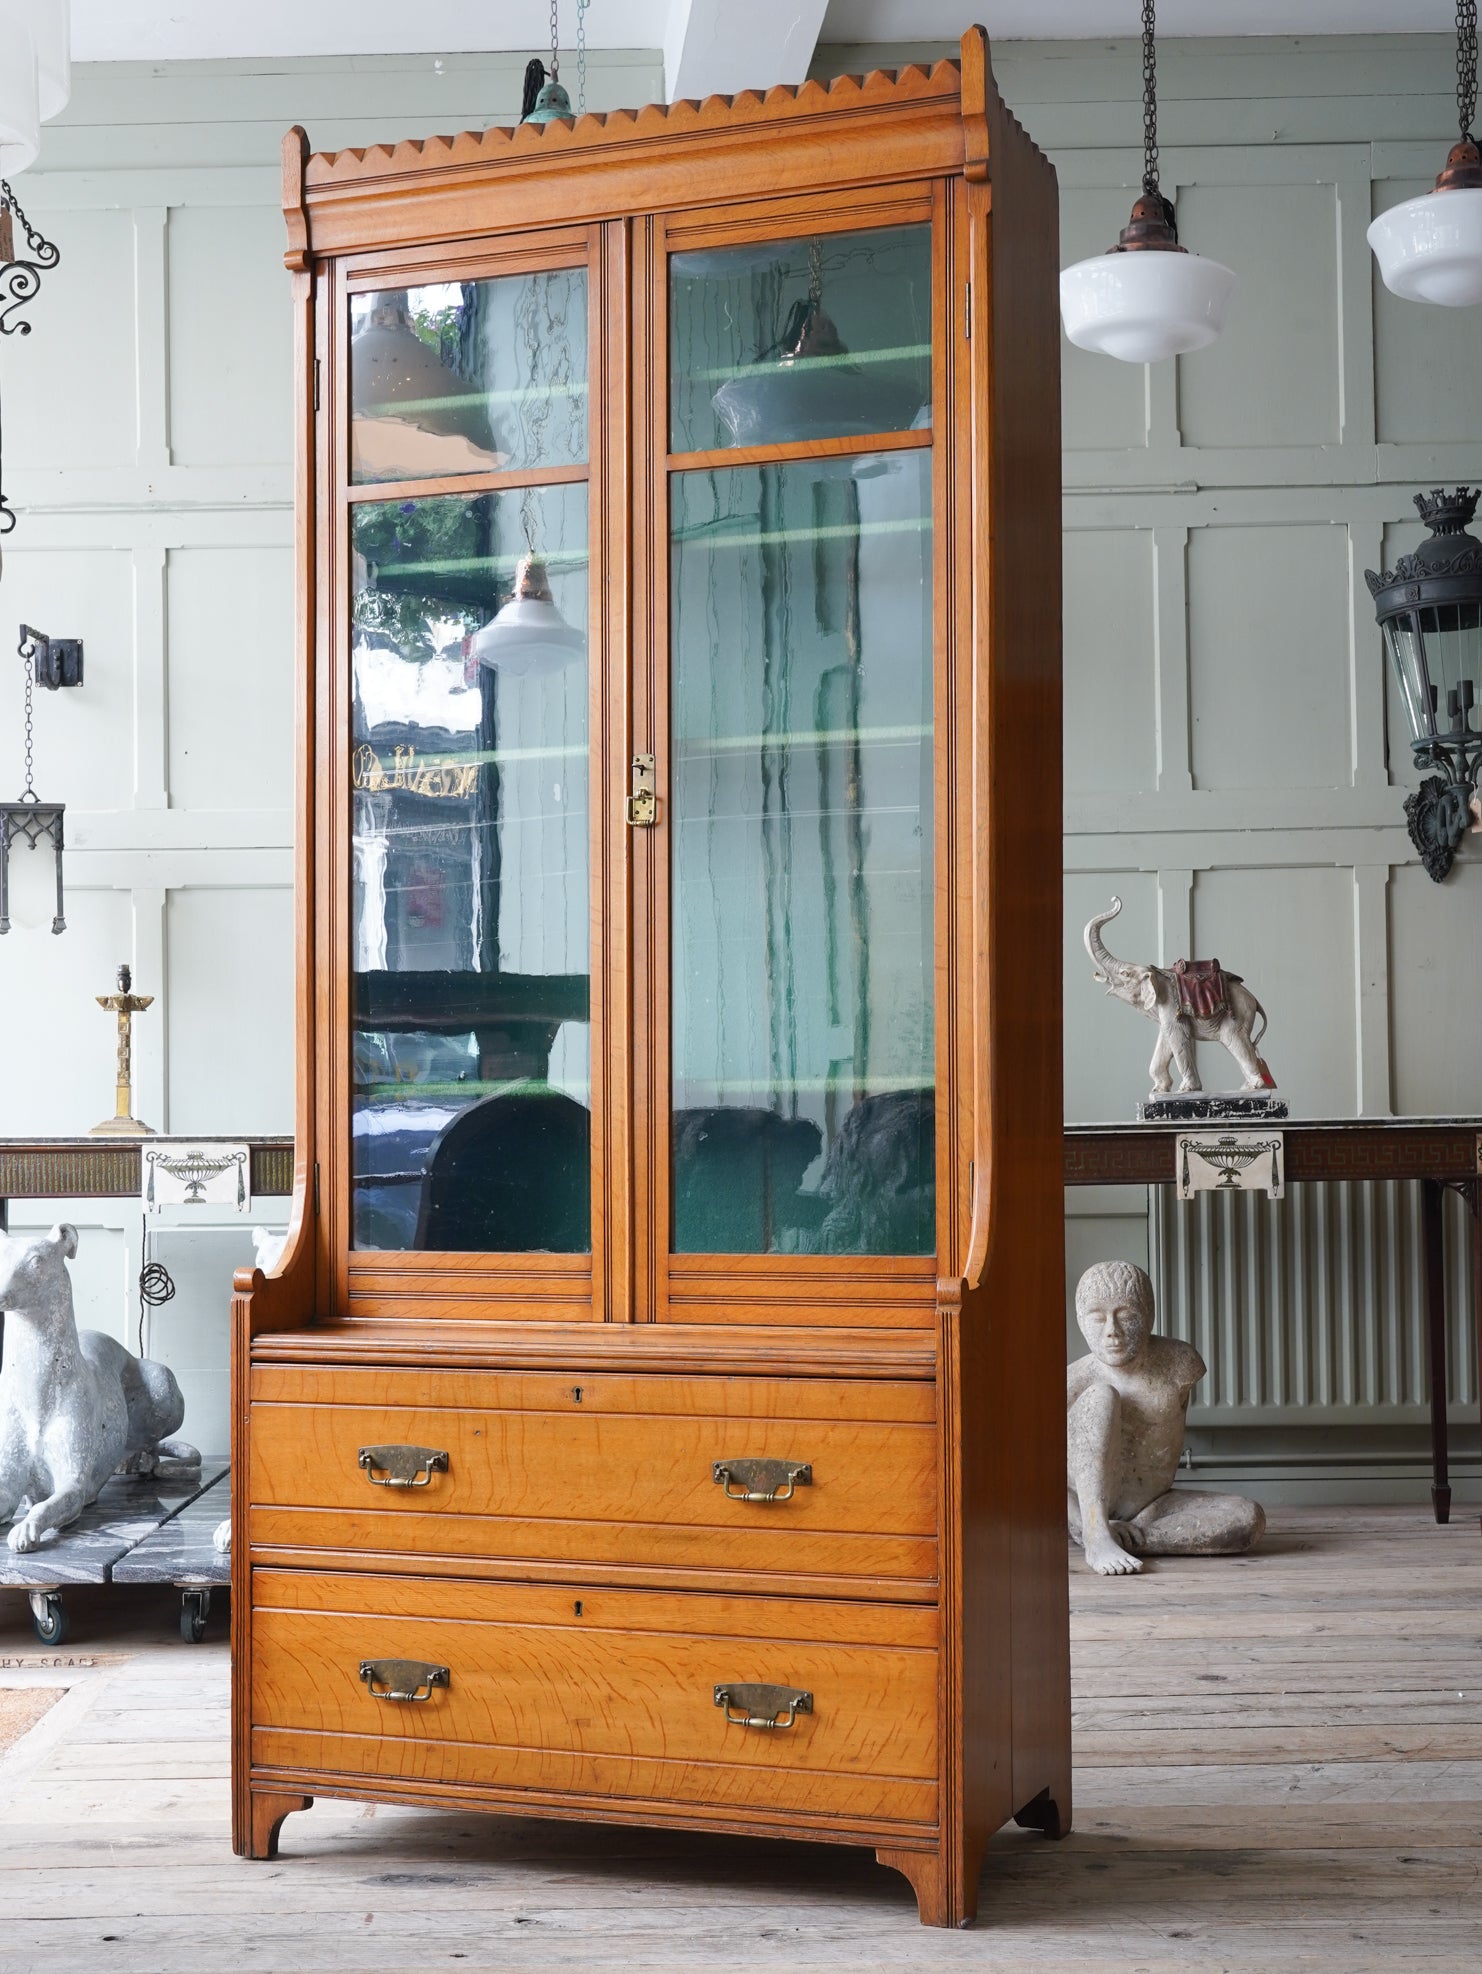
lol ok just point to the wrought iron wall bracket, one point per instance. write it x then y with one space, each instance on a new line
34 822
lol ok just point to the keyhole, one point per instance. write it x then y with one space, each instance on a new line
576 1393
578 1607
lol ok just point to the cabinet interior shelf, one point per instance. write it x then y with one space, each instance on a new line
845 360
707 533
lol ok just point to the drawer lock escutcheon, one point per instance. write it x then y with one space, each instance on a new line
402 1466
761 1480
402 1679
763 1706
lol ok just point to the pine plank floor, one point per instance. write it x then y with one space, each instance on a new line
1279 1765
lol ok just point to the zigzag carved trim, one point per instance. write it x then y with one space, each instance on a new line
882 88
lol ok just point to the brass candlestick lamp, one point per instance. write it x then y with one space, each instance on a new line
125 1004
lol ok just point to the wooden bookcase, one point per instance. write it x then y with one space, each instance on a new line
673 1304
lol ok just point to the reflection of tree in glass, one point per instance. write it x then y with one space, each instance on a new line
422 620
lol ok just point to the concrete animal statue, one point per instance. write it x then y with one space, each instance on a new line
1193 1000
74 1405
1126 1403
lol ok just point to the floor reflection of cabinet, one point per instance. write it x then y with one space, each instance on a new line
656 1415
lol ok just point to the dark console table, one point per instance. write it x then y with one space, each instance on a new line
1439 1152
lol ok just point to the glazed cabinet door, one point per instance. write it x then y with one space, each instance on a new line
469 681
794 946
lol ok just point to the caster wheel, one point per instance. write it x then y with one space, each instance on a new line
49 1618
194 1606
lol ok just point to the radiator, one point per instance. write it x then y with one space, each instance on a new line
1310 1310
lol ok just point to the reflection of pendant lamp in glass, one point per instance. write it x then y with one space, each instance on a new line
413 417
528 634
20 113
805 387
1147 297
1430 249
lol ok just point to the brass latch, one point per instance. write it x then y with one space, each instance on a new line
763 1706
402 1466
761 1480
643 800
402 1679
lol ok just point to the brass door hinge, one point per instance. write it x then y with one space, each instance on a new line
643 799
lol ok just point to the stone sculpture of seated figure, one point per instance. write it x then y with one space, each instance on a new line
1125 1408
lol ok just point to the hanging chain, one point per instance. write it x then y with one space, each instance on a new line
581 54
1466 64
1150 99
555 43
28 651
815 271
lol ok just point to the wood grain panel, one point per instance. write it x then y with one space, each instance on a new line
537 1673
606 1787
764 1351
636 1488
737 1397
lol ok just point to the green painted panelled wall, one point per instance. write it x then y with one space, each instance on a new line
1228 742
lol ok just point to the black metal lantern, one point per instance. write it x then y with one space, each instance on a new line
1429 607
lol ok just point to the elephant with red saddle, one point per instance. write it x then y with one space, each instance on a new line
1194 1000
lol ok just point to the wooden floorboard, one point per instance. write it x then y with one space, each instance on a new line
1279 1766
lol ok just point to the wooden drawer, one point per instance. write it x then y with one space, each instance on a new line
606 1692
612 1470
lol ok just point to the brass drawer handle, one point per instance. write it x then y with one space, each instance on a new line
761 1480
763 1706
402 1679
402 1466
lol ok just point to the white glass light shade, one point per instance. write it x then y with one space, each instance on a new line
528 634
1430 249
51 28
1143 306
20 114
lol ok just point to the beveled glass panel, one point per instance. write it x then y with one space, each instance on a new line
469 376
470 897
802 875
800 339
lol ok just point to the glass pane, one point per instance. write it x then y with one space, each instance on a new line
1453 653
802 858
469 902
469 376
800 339
1409 663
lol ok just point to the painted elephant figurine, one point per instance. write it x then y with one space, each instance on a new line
1196 1000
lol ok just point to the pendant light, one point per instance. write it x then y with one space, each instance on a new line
20 108
528 633
1430 248
546 100
1147 297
